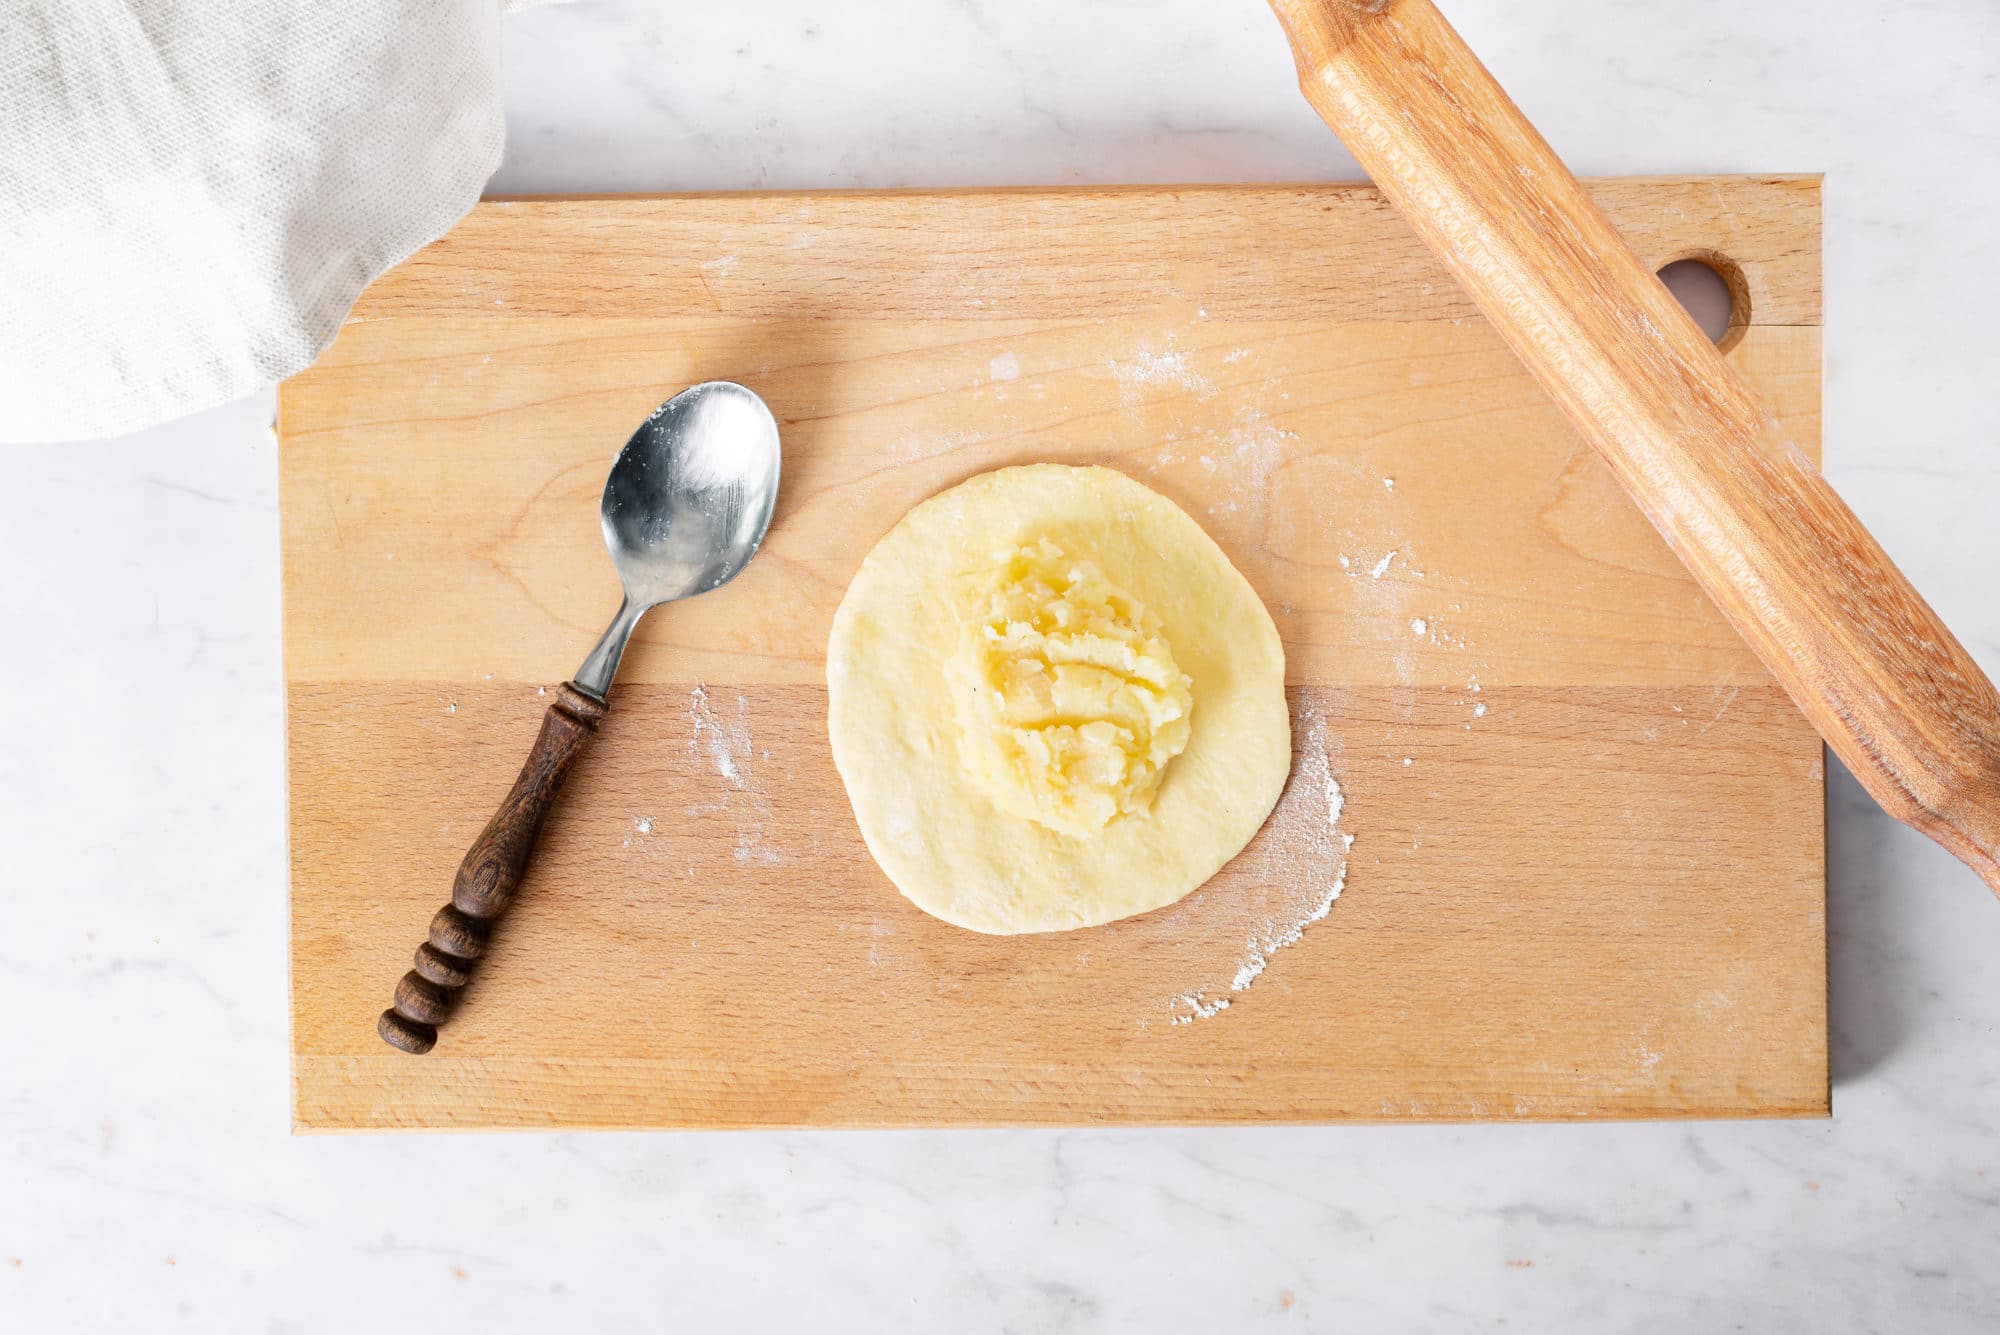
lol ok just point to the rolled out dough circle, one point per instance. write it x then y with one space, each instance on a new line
895 732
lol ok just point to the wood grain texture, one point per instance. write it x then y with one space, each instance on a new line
1886 684
1600 897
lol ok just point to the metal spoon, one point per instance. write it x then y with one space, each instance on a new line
685 507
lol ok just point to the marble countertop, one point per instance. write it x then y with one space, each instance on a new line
148 1180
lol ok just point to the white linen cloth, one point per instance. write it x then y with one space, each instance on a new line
193 192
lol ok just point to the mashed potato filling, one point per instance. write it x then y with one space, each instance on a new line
1069 703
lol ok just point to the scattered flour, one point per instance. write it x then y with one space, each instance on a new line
722 742
917 446
641 826
1479 711
1148 370
1257 448
750 847
1244 456
1004 367
1197 1008
726 744
1305 861
1419 626
1382 566
1156 368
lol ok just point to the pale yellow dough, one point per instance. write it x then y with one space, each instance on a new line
1054 702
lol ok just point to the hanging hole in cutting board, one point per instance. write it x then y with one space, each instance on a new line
1711 289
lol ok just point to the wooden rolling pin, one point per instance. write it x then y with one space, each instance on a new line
1892 692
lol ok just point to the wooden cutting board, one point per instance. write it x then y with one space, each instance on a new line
1587 876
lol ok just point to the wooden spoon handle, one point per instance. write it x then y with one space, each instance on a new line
1895 696
487 878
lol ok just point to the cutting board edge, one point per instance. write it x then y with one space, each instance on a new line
1814 179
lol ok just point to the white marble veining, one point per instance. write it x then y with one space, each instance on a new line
147 1178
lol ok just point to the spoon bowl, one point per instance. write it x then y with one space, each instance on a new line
685 507
691 493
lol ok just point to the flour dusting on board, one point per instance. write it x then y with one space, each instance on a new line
1256 448
1146 367
1243 458
1146 370
721 737
723 742
918 446
1304 853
